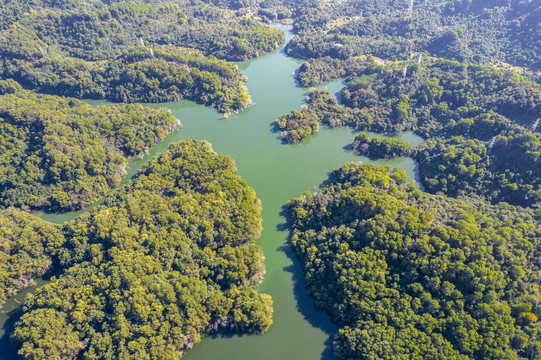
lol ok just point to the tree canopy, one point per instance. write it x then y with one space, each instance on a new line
379 147
63 154
409 275
481 123
28 249
131 52
476 31
168 258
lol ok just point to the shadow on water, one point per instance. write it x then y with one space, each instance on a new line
338 95
348 147
305 303
7 350
275 129
11 312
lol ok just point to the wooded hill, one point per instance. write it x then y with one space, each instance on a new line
168 258
59 154
28 247
480 122
131 52
476 31
409 275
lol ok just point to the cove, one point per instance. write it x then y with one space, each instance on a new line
278 173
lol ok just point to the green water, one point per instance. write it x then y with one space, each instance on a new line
9 315
278 173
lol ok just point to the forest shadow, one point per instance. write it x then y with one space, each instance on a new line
276 130
348 147
225 333
8 350
304 302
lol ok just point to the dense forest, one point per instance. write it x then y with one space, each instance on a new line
380 147
479 120
140 75
131 52
409 275
431 96
168 258
507 169
59 154
28 249
171 256
102 30
321 108
501 32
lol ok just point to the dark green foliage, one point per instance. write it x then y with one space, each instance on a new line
388 148
168 258
28 247
137 75
483 32
63 154
98 52
316 71
510 171
408 275
436 97
436 94
441 99
93 31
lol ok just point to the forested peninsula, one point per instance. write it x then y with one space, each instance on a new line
168 258
406 274
131 52
478 121
431 96
171 256
59 154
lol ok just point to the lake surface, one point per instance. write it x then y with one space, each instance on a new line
278 173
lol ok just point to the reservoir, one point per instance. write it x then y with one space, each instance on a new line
278 173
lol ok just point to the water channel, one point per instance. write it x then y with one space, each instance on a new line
277 172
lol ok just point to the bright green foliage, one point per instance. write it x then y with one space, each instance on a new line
28 247
408 275
388 148
297 126
60 153
131 52
168 258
